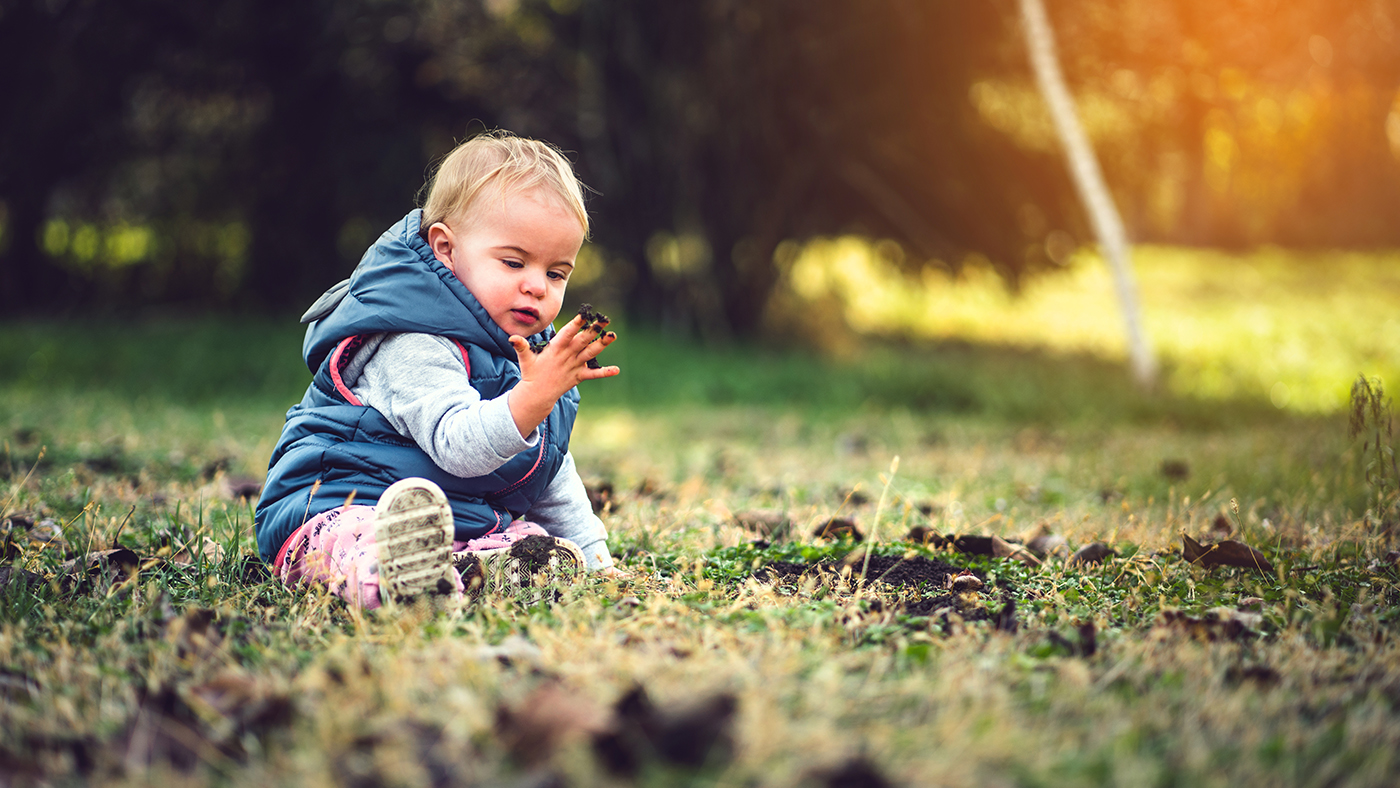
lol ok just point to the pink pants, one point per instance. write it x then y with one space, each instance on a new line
337 549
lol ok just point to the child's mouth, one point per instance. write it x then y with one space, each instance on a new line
526 315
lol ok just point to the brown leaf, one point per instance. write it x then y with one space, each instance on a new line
212 551
964 582
1004 549
14 574
690 737
1046 544
601 497
973 545
1226 553
922 534
1090 554
768 522
1221 525
1220 623
839 529
1175 470
112 566
243 487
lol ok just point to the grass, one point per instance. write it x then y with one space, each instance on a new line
199 671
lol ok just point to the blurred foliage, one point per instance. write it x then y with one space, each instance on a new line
243 154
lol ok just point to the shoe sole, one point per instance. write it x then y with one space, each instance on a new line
413 534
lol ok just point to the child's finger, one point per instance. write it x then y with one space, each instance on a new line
591 351
520 345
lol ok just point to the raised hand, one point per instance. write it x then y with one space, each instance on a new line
549 372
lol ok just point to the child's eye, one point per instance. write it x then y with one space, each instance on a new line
514 263
558 276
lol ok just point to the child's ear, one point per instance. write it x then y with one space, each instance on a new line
441 239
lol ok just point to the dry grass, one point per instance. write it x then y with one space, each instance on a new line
199 672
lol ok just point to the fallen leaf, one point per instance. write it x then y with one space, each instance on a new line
922 534
854 772
964 582
1047 544
1215 624
768 522
640 732
195 634
1226 553
1175 470
1088 639
212 552
1005 620
11 574
1004 549
1221 525
973 545
243 487
601 497
839 529
1090 554
111 566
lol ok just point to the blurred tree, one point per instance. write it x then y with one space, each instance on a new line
63 70
1257 121
261 146
716 129
1088 179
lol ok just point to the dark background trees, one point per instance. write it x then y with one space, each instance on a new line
242 154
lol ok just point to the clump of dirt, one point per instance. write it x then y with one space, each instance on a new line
858 772
1175 470
839 528
917 574
595 322
592 321
601 497
692 737
538 556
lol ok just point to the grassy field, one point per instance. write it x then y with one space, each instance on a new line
704 667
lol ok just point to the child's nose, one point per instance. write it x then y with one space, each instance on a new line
533 282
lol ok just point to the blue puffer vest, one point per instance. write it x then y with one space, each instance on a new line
348 447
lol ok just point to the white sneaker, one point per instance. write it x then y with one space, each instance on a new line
413 534
533 561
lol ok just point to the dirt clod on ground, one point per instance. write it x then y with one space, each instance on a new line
915 574
1090 554
854 773
692 737
839 529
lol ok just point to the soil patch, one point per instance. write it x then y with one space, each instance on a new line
917 572
928 579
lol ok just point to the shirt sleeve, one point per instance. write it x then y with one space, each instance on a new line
564 511
419 383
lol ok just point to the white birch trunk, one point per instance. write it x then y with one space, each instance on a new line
1088 180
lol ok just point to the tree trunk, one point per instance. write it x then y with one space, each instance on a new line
1088 181
30 283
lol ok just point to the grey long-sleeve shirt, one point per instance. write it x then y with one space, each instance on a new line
419 382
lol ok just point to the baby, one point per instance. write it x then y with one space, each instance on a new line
430 453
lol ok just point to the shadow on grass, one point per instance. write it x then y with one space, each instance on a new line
256 362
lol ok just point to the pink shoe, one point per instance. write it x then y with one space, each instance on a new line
523 556
517 530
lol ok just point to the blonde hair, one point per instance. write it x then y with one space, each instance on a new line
508 164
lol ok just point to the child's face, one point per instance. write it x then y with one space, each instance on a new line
515 254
